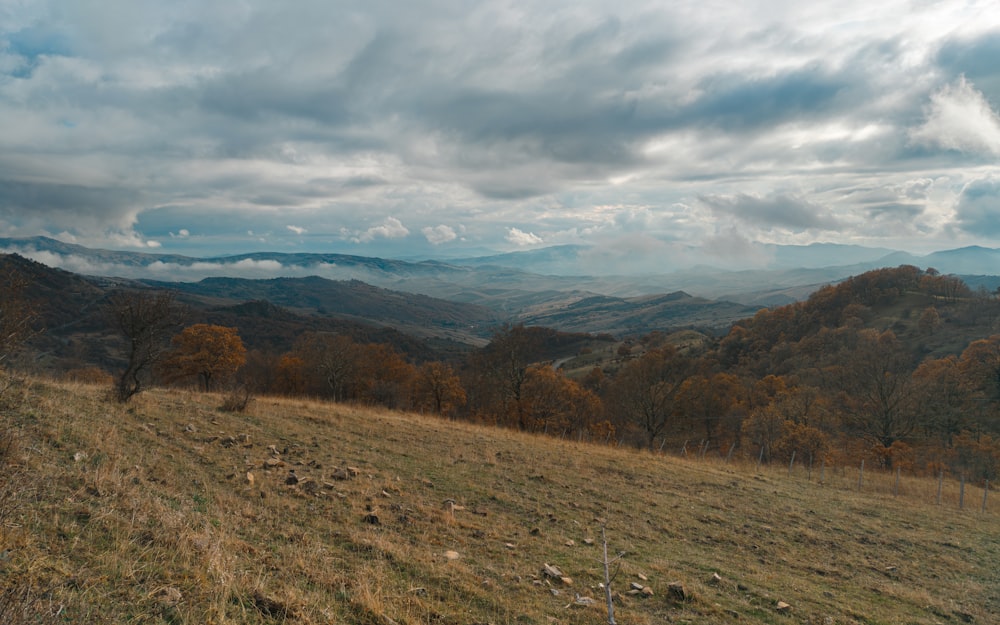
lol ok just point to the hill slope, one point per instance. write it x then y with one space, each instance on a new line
149 515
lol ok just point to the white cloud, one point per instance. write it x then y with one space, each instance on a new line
183 233
297 229
391 228
439 234
959 118
521 238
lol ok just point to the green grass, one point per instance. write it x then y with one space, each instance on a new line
153 509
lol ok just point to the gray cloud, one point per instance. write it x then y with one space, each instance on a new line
978 207
779 210
568 122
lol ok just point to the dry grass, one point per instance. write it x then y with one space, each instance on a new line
128 515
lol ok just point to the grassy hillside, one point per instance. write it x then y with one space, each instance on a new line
166 512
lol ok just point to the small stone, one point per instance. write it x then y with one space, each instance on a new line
79 456
584 600
549 570
451 555
249 478
647 591
570 543
273 463
588 541
677 591
781 606
510 545
555 592
636 586
227 441
372 519
341 475
168 596
535 531
190 428
243 438
715 580
292 479
642 577
566 580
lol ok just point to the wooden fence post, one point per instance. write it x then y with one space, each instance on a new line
791 464
961 494
729 456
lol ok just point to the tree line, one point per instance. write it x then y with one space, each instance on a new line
831 378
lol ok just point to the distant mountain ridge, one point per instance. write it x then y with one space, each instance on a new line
524 282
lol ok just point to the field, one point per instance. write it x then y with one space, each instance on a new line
172 511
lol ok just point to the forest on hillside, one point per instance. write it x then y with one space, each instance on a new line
898 366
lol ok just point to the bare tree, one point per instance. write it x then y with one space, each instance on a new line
146 320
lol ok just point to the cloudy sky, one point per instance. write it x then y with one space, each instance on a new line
446 128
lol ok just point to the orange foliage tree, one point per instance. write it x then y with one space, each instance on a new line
208 352
555 404
437 389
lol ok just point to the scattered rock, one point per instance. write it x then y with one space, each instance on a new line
311 487
292 479
535 531
549 570
646 591
451 555
588 541
584 600
167 597
249 478
354 471
273 463
510 545
636 586
570 543
642 577
782 607
677 591
566 580
555 592
273 449
274 608
341 475
715 580
243 439
372 519
227 441
190 428
79 456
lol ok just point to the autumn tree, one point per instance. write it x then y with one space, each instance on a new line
383 376
942 398
332 359
554 403
644 391
208 352
500 370
145 320
437 389
980 364
879 392
709 401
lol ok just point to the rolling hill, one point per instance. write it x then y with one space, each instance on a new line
171 511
